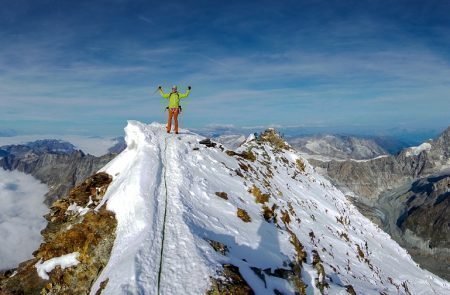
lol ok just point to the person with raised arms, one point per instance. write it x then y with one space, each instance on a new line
174 107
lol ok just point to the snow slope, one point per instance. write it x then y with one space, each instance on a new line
164 197
231 141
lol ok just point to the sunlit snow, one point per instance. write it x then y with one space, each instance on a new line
159 168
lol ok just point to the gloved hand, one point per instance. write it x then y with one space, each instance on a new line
189 87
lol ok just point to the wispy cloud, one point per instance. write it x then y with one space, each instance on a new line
145 19
292 68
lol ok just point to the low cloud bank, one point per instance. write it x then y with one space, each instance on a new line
21 217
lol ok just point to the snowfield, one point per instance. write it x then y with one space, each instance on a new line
416 150
164 196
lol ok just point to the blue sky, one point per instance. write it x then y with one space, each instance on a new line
85 67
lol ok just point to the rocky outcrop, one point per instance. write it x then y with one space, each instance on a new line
75 225
230 281
55 163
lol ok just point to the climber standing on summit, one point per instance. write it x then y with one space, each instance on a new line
174 107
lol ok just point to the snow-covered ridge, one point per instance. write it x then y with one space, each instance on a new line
165 195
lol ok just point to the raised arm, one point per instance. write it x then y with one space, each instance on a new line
165 95
186 94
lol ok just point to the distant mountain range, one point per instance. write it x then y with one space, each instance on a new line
407 194
93 145
7 132
323 146
392 140
180 214
399 192
337 147
56 163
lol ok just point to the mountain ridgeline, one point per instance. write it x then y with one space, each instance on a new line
193 218
406 194
325 146
56 163
338 147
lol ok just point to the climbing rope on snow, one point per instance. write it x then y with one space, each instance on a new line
165 214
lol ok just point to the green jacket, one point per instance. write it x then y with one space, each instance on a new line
174 97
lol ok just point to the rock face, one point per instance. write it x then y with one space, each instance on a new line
427 201
56 163
398 193
418 218
76 224
338 147
372 177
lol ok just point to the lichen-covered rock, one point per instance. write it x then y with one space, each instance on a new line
229 282
259 196
320 281
222 195
219 247
248 155
75 224
296 278
272 137
243 215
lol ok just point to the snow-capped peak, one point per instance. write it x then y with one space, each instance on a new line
189 215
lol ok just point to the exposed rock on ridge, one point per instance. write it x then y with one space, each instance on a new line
74 225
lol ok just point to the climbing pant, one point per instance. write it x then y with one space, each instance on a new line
173 113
